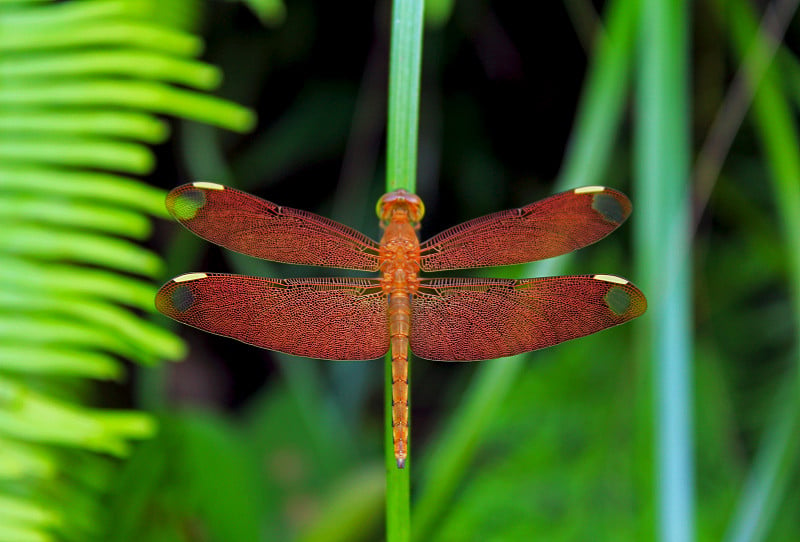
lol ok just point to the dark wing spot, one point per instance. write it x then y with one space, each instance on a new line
608 207
182 298
618 300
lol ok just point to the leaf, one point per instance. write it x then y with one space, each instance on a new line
81 84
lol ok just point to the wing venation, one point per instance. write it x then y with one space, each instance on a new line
472 319
338 319
256 227
551 227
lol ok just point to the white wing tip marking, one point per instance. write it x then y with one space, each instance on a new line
589 189
610 278
208 186
189 276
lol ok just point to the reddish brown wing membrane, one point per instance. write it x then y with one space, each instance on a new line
256 227
553 226
471 319
341 319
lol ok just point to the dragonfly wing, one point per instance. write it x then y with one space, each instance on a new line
256 227
342 319
472 319
547 228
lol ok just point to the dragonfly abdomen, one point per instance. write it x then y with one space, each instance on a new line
399 329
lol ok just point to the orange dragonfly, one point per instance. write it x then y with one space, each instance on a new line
446 319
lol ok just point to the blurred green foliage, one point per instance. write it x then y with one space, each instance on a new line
251 445
81 84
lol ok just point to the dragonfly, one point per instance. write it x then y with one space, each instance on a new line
445 319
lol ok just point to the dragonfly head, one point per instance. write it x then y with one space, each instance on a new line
401 201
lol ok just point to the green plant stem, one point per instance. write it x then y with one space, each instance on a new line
404 83
663 254
401 166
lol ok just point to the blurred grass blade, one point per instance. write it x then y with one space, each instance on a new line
326 431
780 139
779 136
438 12
603 100
772 471
455 449
270 12
663 253
352 509
739 98
297 137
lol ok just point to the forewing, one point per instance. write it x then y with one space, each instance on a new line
553 226
256 227
341 319
472 319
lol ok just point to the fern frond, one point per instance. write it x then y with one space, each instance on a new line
81 85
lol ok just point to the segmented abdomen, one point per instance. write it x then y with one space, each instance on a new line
399 329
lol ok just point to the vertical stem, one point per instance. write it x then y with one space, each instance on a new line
401 168
663 251
405 61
